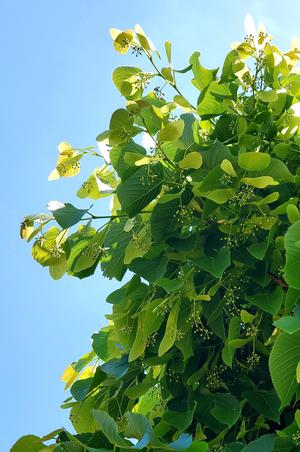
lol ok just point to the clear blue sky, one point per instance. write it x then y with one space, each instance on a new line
57 59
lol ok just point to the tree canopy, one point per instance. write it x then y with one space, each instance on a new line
202 349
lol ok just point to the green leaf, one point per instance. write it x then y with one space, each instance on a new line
234 447
122 74
163 219
267 96
233 333
292 213
198 446
193 160
81 388
282 150
109 428
117 368
117 156
253 161
81 415
220 195
284 359
183 442
42 250
68 215
211 99
292 248
116 241
168 47
172 131
238 343
147 402
227 167
171 327
179 419
259 182
227 409
169 285
151 269
266 403
139 245
137 391
140 341
278 171
97 185
215 154
268 301
99 345
258 250
28 443
215 265
288 324
140 189
58 270
203 77
139 427
263 444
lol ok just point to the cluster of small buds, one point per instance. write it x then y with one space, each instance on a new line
172 376
113 183
38 218
247 231
204 135
173 117
126 329
296 437
226 180
63 169
160 406
249 330
121 421
41 240
252 361
158 93
155 391
216 448
139 243
280 271
56 251
203 332
232 126
230 241
124 135
247 79
194 319
162 309
178 334
151 340
142 80
87 185
214 380
249 39
74 418
76 165
150 178
156 394
136 50
125 42
242 197
93 250
232 296
183 215
166 187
